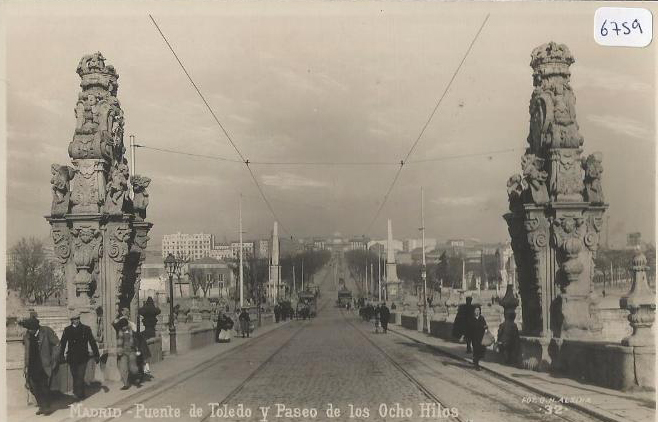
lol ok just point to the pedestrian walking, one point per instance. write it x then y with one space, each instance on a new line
77 339
244 322
461 325
375 313
224 326
384 315
132 349
277 313
41 353
477 328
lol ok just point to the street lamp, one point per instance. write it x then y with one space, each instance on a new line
172 266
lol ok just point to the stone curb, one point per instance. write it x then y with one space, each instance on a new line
590 410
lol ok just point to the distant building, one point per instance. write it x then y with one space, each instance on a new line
217 274
193 246
358 244
263 248
221 252
319 244
247 250
409 245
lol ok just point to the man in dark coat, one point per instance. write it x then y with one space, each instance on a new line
79 339
461 326
41 353
245 319
384 315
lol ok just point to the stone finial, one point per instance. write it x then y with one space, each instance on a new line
509 302
640 301
149 313
551 59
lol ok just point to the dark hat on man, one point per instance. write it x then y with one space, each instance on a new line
31 323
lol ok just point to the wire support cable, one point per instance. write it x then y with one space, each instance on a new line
422 131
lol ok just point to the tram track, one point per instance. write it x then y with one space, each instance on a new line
143 397
417 383
514 389
148 395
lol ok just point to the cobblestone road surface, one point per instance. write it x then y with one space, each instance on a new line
337 359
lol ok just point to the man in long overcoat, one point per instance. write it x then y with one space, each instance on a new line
41 353
79 339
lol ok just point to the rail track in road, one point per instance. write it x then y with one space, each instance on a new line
513 389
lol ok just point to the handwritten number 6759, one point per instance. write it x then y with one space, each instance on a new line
626 30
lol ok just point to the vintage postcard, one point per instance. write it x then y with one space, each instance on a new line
328 210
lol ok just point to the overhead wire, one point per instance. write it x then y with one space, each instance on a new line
413 146
228 136
334 163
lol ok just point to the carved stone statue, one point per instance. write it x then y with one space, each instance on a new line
593 171
536 178
141 198
117 187
87 250
60 180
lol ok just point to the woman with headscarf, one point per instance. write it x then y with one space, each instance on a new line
477 327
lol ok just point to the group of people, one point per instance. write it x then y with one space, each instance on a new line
225 325
283 311
380 313
470 324
44 352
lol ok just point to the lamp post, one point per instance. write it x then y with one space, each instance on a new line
172 266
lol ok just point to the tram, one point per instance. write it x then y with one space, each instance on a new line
307 304
344 298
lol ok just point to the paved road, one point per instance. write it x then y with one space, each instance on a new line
337 359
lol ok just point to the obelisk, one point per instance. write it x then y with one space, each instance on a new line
392 283
275 272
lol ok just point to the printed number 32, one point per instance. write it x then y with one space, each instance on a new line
626 30
554 409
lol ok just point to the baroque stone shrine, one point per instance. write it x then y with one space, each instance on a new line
556 209
99 230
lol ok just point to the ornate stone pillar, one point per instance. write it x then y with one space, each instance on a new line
641 303
94 222
556 208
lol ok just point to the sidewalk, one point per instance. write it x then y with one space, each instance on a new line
108 395
602 403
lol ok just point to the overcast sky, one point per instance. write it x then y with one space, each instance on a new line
331 82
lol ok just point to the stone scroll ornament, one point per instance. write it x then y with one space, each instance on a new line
87 251
61 187
62 243
118 245
568 233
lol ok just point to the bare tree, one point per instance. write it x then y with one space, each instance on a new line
32 274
